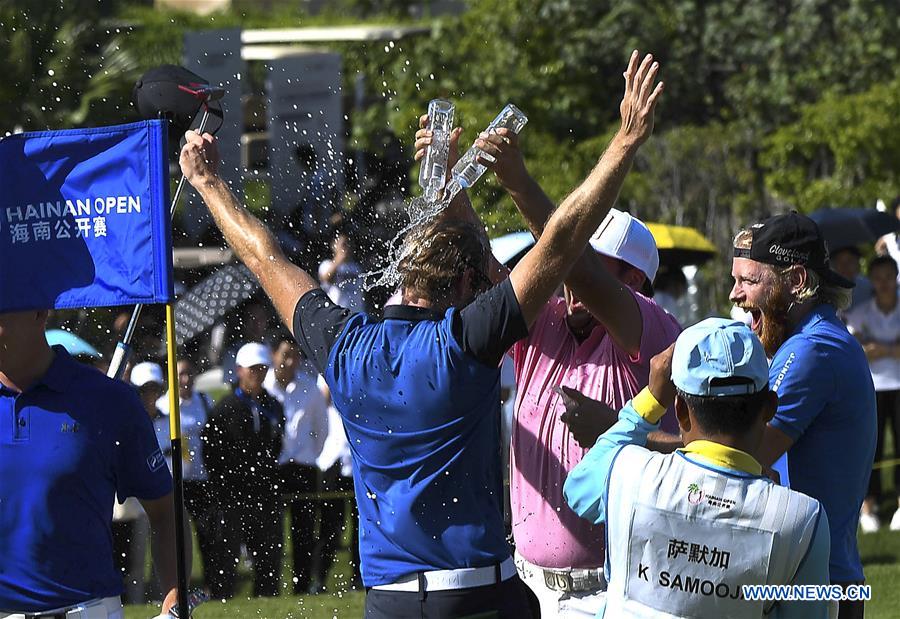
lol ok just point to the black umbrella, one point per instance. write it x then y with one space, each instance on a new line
849 227
212 299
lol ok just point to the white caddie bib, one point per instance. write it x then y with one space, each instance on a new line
675 562
682 538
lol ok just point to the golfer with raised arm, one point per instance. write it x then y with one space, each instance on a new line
418 390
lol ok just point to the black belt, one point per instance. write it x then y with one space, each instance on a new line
45 615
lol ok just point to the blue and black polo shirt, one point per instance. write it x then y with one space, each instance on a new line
419 395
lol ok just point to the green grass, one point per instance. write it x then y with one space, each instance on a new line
881 559
880 552
339 602
285 607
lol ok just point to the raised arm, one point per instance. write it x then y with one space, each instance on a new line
607 298
567 231
251 240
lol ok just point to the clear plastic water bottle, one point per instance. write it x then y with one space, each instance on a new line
433 172
467 170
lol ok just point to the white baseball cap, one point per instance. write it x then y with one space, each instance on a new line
252 354
629 239
147 372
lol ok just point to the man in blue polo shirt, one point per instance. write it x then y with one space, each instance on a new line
419 390
826 421
70 441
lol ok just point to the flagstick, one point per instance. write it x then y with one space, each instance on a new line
123 348
177 471
183 178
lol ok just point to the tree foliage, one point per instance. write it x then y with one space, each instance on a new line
769 104
843 150
61 67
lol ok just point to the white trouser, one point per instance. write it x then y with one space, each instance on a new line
563 604
106 608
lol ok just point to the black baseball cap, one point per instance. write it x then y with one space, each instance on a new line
785 240
171 92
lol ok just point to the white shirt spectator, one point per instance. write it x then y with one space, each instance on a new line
892 245
193 419
347 287
868 323
306 418
336 448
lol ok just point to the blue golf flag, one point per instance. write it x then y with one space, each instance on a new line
84 218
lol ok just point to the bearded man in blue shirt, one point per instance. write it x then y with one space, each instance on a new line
826 421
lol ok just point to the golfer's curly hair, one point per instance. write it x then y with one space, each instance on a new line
436 256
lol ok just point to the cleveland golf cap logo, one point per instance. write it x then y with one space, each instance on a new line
783 254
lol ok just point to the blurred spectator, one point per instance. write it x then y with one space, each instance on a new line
203 507
323 189
306 425
242 441
151 384
337 476
250 324
317 204
130 525
889 244
876 324
671 288
341 277
846 262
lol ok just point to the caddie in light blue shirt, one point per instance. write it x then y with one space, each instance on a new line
687 531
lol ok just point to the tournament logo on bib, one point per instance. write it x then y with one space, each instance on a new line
695 494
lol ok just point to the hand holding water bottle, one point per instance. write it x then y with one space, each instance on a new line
500 153
424 138
433 169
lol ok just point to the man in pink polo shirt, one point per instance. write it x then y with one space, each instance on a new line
559 555
598 340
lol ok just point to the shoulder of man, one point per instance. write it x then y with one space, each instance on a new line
801 358
94 383
271 401
88 384
550 323
228 402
